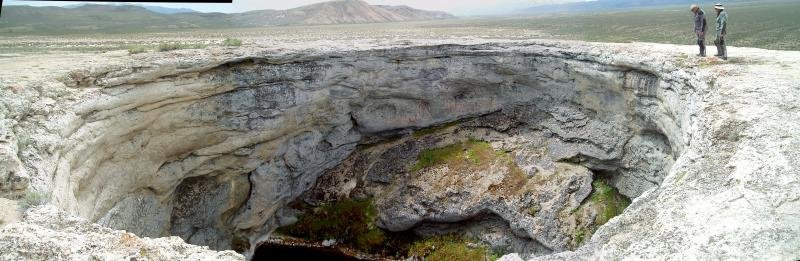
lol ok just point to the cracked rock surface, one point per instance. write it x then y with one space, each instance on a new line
212 145
50 234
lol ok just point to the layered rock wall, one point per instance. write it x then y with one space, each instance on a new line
212 150
215 152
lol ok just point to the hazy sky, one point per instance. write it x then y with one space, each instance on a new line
458 7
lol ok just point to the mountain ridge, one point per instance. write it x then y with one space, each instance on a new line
136 18
609 5
153 8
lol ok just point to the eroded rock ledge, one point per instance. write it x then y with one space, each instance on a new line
213 150
50 234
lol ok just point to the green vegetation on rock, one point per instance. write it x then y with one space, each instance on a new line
432 157
605 201
532 211
579 235
350 221
449 248
609 202
471 152
473 156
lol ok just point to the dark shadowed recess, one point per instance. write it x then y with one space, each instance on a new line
285 252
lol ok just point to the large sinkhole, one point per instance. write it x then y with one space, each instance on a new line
383 152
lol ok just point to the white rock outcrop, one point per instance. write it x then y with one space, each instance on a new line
211 146
50 234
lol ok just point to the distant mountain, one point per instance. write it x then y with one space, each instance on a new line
153 8
135 18
168 10
337 12
99 18
415 14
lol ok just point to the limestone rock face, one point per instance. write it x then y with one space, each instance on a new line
13 175
50 234
525 196
284 122
211 146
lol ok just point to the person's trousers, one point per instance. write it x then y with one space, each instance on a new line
701 41
721 49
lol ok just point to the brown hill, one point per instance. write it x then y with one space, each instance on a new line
129 18
337 12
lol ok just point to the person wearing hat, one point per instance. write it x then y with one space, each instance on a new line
722 26
700 28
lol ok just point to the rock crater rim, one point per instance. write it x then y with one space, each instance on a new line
213 152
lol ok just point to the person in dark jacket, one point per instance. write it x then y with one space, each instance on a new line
700 28
722 31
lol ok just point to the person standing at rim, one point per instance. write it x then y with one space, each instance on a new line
700 28
722 26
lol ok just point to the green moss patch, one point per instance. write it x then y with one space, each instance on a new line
448 248
605 201
579 236
471 153
608 201
349 221
473 156
452 154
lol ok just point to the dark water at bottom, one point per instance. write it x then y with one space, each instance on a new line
284 252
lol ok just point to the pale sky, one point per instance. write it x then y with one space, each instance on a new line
457 7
